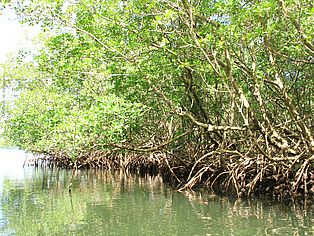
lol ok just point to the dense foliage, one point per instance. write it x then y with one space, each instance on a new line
221 87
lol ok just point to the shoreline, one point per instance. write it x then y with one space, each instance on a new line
271 183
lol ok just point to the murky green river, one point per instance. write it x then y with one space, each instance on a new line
38 202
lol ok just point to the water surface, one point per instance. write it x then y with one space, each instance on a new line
40 202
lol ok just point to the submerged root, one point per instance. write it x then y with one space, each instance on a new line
242 174
252 175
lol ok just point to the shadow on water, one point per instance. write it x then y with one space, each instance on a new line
42 201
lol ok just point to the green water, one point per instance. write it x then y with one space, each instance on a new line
38 202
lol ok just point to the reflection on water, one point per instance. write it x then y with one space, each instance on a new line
38 202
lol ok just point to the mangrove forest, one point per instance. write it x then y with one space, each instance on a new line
217 94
